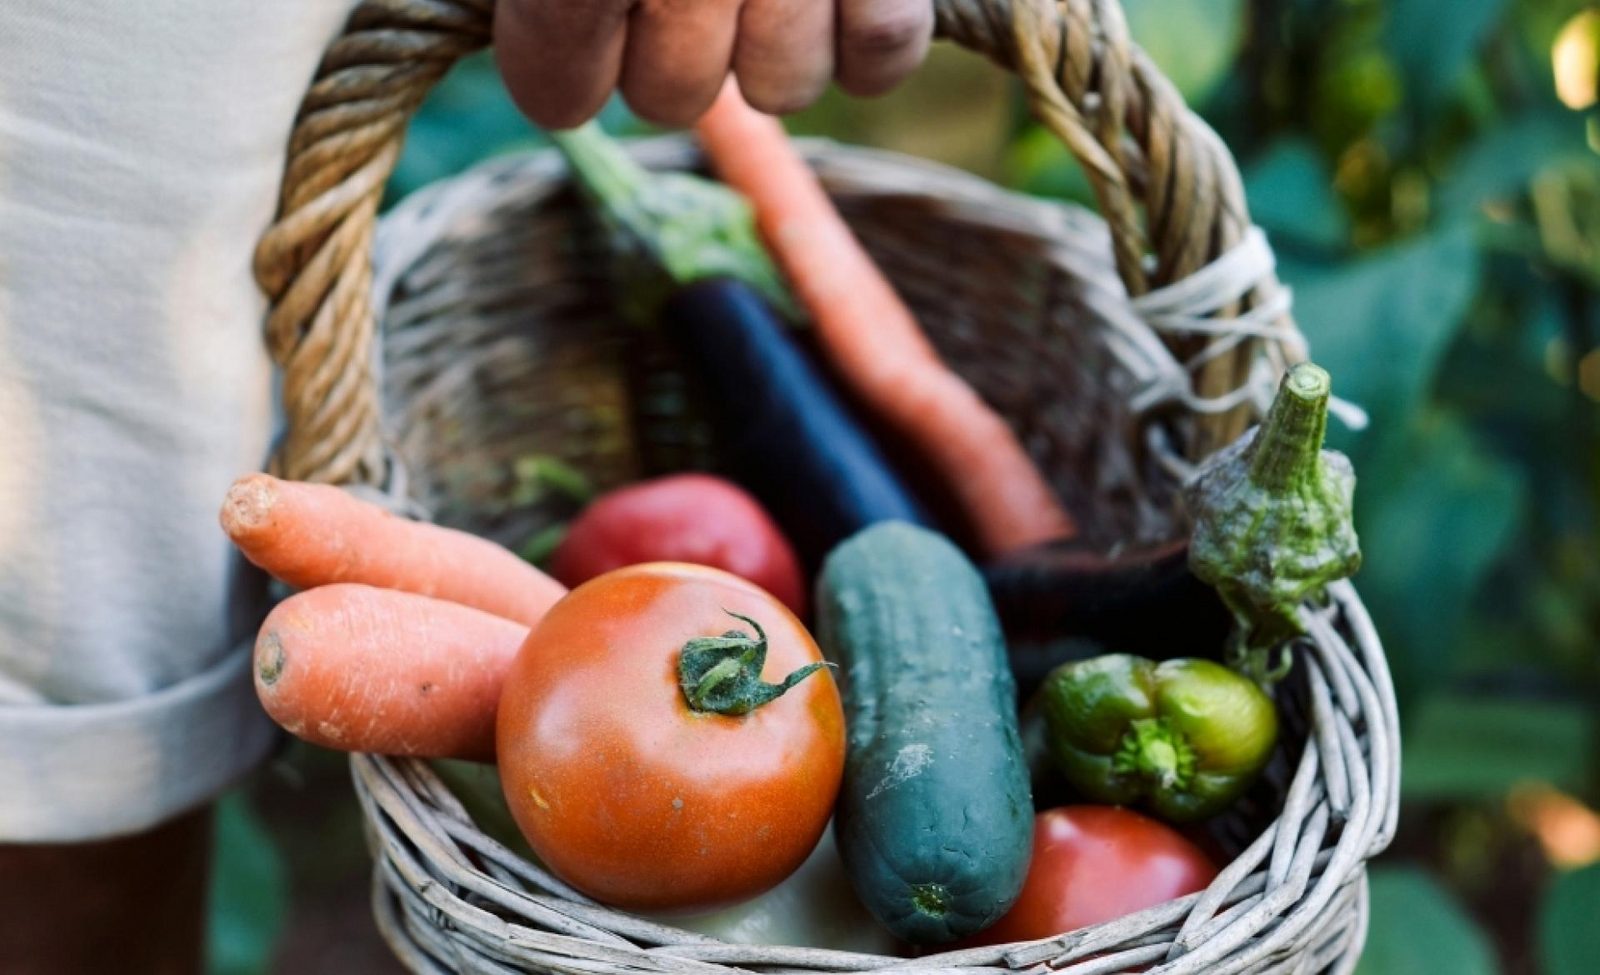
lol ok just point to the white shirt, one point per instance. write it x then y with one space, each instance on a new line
141 146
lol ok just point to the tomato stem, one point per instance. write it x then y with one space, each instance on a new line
722 674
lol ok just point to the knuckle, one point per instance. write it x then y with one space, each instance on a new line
648 104
783 96
780 102
888 32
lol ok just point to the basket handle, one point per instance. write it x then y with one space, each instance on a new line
1088 83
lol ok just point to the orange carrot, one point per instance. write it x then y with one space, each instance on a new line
312 535
872 338
359 668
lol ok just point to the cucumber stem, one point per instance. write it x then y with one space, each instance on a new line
722 674
932 900
667 230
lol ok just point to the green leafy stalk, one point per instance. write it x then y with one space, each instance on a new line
1273 523
722 674
667 230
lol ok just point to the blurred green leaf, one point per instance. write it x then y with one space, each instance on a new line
1290 190
541 476
1380 325
1470 748
1192 41
1432 41
1434 512
1038 163
1539 21
467 117
249 895
1506 158
957 109
1417 928
543 543
1569 923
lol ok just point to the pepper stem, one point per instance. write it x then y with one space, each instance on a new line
722 674
1154 750
1288 450
667 230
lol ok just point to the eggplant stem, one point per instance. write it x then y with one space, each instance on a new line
1288 450
668 230
1272 517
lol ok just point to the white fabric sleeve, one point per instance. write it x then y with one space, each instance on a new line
141 146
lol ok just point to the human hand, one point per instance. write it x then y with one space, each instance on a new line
561 59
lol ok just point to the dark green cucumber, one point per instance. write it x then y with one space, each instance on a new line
935 821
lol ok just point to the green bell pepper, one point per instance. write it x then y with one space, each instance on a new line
1183 738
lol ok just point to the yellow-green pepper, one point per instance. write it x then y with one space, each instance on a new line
1182 738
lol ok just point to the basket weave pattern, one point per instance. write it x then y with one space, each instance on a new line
1121 348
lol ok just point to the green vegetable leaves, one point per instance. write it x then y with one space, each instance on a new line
1194 41
1432 41
1291 196
1569 923
249 896
1436 513
1381 325
1417 928
1476 748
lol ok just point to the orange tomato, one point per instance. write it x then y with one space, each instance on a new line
630 794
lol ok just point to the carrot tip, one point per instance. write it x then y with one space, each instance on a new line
249 504
270 659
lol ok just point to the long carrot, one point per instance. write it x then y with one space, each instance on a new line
872 337
313 534
359 668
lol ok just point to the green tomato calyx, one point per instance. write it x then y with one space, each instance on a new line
1156 752
722 674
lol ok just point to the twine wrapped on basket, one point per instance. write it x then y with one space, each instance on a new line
1123 348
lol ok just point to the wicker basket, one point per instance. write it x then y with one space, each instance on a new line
1121 347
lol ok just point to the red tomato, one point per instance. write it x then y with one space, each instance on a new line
683 518
1097 863
631 795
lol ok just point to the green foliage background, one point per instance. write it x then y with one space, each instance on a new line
1436 210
